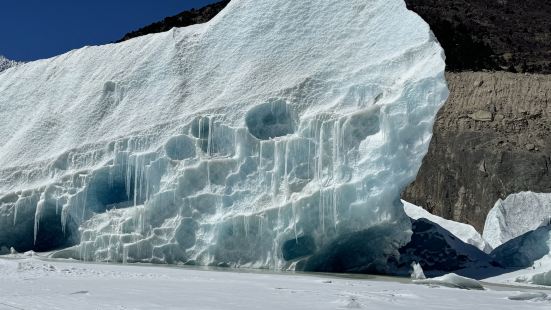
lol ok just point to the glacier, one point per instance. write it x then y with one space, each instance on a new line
268 137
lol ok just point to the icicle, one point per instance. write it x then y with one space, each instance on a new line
128 179
147 173
245 226
322 209
142 176
37 218
275 174
64 214
286 177
208 176
320 157
336 149
308 158
135 180
294 220
15 207
209 139
335 210
260 225
85 195
260 156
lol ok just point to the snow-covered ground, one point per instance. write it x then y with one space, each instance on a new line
32 283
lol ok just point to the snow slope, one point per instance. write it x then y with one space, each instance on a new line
256 139
35 284
464 232
518 214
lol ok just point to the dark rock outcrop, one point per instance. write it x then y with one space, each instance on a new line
184 19
512 35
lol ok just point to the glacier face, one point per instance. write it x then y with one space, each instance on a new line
259 138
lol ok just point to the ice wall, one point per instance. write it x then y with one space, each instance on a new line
257 139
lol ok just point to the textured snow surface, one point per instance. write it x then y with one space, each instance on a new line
6 63
36 284
518 214
464 232
256 139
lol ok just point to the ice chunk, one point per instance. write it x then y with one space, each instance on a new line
261 138
543 278
452 280
464 232
515 216
530 296
417 272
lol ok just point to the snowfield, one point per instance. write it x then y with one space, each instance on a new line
31 283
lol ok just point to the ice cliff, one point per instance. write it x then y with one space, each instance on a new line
279 130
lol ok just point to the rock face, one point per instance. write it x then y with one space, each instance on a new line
491 139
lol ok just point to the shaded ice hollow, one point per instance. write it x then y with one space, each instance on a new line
257 139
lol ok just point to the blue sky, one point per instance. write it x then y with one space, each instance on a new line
35 29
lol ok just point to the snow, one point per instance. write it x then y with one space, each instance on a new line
464 232
257 139
41 284
518 214
452 280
